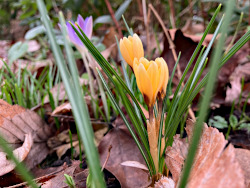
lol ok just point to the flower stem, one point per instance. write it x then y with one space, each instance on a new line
152 137
91 81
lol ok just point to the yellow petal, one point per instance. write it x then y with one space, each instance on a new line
145 62
137 47
129 45
153 74
125 53
130 38
164 74
135 68
161 72
145 84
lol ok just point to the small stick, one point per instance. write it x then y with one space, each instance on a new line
184 11
172 47
172 13
146 22
190 8
113 18
140 7
37 179
107 158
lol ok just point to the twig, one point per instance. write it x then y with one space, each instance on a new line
184 11
140 7
146 22
190 8
203 15
172 47
107 158
172 13
113 18
37 179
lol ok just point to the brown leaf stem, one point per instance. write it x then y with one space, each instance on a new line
105 162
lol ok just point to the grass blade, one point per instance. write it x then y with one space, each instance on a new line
78 104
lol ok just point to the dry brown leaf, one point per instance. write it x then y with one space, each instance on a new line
61 142
62 109
59 180
33 46
61 150
135 164
54 176
15 123
214 166
123 149
175 156
195 38
184 44
192 27
37 66
20 153
233 92
59 92
4 47
243 157
164 182
109 40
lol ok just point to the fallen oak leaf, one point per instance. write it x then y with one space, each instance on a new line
123 149
175 156
213 166
243 156
15 123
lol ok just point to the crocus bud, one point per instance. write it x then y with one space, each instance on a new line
131 48
150 78
164 76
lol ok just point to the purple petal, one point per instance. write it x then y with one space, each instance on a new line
80 21
73 36
88 26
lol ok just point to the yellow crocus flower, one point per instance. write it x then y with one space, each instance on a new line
165 76
131 48
150 77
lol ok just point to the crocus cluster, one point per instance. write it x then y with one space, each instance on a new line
152 79
151 76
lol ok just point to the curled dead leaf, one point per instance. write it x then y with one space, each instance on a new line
20 153
23 128
62 109
135 164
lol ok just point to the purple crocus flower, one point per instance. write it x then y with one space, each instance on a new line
87 27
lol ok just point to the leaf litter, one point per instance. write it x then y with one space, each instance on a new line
123 149
215 164
26 133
